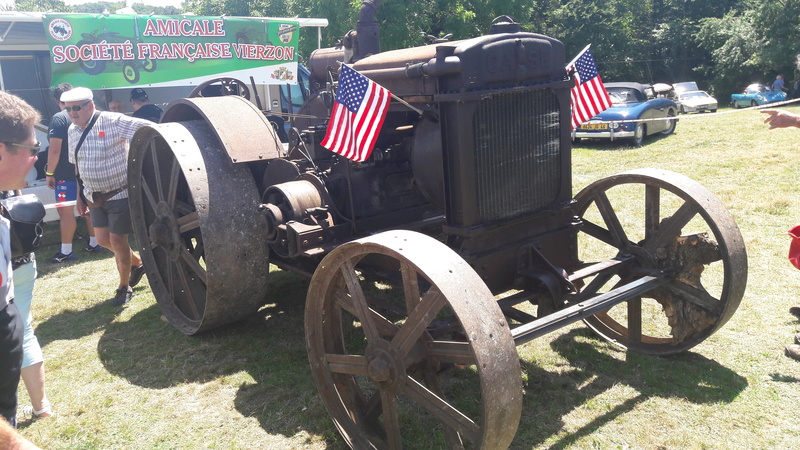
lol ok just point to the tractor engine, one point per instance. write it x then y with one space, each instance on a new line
477 155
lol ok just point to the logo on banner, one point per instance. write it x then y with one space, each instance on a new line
60 30
285 32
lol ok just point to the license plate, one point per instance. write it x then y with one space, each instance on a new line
594 126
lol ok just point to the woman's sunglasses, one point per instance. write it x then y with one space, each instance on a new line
77 108
33 148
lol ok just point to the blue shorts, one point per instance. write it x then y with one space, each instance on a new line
66 191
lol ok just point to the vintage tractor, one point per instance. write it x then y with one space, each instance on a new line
458 239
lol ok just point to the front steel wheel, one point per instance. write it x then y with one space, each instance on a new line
409 349
671 225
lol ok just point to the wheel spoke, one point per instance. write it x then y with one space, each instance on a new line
418 320
672 227
451 352
174 178
652 210
347 364
612 221
188 222
696 296
391 420
454 440
194 266
441 409
148 194
187 291
384 325
410 285
597 232
362 309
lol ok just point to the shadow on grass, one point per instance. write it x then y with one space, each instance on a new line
551 396
781 378
267 350
76 324
264 358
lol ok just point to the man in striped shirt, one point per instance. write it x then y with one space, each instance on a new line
101 161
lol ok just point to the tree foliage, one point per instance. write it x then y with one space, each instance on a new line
753 43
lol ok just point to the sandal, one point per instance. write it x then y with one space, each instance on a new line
47 411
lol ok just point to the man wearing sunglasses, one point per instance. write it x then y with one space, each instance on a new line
60 175
18 153
101 161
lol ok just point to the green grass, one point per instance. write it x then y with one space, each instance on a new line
124 378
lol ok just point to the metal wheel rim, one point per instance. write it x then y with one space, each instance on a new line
210 265
671 124
638 134
343 378
698 202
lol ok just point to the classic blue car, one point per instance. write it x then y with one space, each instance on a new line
756 94
631 101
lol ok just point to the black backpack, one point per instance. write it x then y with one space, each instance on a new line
25 213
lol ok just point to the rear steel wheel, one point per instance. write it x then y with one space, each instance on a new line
670 224
196 223
433 354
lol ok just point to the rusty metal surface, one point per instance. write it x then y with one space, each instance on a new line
243 131
196 223
692 310
379 360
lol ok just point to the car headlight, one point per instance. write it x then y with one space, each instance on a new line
614 126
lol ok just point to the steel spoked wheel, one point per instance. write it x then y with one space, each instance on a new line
429 362
670 224
197 227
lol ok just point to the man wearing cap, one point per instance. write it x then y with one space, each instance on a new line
61 178
142 108
98 146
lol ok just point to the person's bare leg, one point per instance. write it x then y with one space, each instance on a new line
33 376
92 239
89 227
123 254
67 223
102 236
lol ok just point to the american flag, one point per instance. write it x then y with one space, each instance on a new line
589 96
357 115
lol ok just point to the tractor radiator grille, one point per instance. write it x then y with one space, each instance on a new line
517 153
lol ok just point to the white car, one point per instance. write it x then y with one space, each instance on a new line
696 101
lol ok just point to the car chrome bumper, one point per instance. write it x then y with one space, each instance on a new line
609 134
